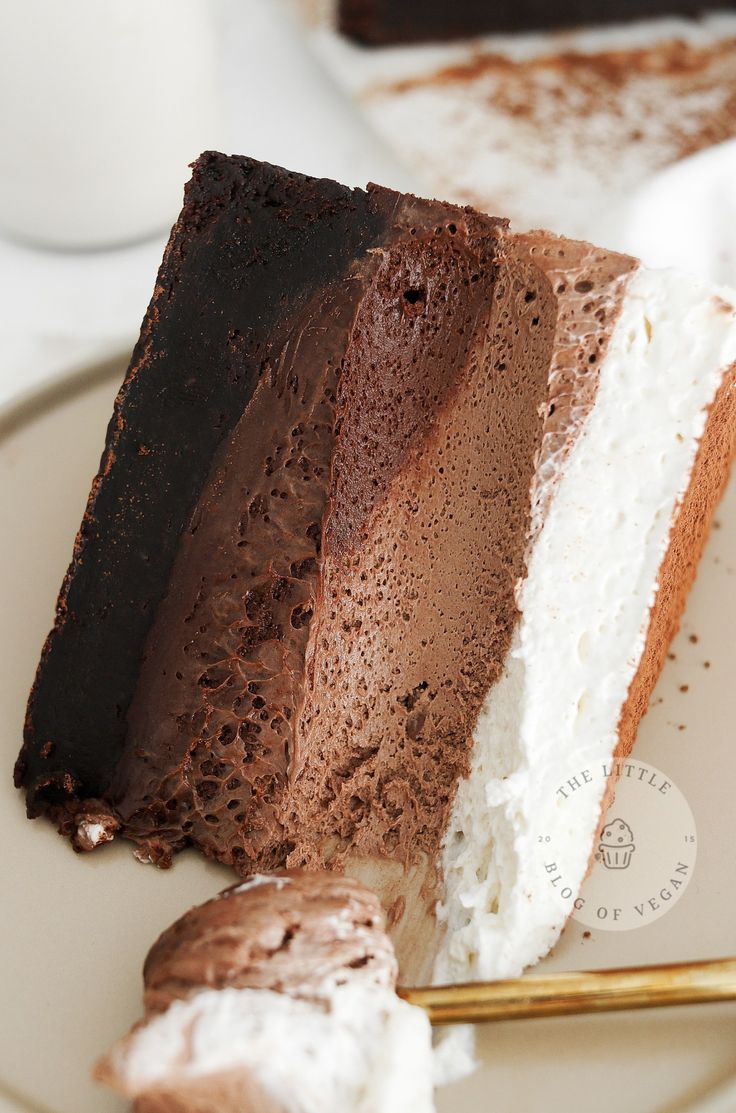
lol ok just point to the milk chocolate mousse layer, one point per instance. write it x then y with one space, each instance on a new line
419 617
377 22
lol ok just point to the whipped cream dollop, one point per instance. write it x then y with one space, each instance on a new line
278 995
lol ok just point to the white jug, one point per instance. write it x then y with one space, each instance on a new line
103 104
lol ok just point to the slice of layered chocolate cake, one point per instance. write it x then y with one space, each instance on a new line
378 22
395 520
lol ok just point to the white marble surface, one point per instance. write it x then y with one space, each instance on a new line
548 146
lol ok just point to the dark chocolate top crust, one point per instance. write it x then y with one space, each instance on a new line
381 22
250 247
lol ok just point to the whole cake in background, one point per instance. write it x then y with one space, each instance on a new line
386 21
554 129
396 518
277 996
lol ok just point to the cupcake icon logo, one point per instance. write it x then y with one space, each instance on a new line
616 845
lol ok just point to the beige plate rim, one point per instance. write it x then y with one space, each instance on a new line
22 409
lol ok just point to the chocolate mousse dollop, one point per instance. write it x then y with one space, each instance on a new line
277 996
296 932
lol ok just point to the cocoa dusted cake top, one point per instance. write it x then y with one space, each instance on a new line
379 22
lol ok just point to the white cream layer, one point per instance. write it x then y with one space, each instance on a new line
363 1050
585 606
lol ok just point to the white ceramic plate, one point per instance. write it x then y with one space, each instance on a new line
75 929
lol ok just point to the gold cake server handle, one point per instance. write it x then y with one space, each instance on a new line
593 991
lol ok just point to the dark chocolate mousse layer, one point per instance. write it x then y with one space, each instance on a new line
377 22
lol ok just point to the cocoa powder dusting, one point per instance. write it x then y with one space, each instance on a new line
575 84
557 138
